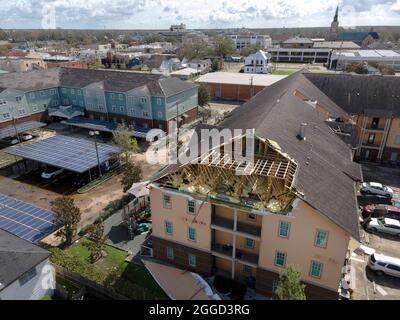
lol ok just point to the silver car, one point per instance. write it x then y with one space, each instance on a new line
385 225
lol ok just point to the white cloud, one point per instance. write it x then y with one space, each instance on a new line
197 13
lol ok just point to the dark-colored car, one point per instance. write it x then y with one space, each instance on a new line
381 211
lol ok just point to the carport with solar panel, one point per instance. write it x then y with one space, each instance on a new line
69 153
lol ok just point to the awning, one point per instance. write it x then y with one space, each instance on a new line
146 133
91 124
66 112
11 131
139 189
180 284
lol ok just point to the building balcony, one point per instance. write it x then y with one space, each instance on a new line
241 227
247 257
225 250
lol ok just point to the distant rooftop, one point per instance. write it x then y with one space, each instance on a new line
240 78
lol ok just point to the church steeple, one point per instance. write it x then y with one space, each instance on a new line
334 26
336 19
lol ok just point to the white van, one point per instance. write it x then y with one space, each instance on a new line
382 264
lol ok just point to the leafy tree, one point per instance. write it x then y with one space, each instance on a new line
132 173
195 50
203 96
223 46
215 66
96 246
386 70
290 287
67 215
357 67
250 50
123 140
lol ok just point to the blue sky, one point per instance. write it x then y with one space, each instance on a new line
160 14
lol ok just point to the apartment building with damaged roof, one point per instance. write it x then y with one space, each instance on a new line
295 206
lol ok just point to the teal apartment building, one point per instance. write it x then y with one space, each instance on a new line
138 100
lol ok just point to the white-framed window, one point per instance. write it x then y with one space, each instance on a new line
159 101
114 108
42 93
112 95
167 202
159 114
53 92
145 114
191 206
192 235
63 90
32 95
34 108
3 102
132 111
18 99
6 115
120 97
100 107
144 100
79 92
192 260
121 109
21 112
72 91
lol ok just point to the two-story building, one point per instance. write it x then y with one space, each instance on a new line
139 100
259 62
292 203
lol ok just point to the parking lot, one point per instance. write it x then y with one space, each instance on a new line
366 284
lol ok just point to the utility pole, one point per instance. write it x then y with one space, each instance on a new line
95 134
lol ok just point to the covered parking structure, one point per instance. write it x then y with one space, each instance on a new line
107 126
14 130
73 154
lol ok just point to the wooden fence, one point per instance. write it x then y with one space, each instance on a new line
91 287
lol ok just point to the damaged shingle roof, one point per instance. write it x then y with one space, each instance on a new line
17 256
326 174
361 94
117 81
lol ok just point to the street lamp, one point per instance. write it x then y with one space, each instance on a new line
95 134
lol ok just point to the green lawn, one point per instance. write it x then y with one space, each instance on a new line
283 72
128 279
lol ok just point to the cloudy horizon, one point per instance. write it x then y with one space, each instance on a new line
196 14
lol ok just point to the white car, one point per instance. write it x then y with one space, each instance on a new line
26 136
385 225
376 188
382 264
51 172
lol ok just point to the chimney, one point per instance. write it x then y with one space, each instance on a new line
302 132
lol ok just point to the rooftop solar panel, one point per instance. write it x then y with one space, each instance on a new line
25 220
93 124
21 127
74 154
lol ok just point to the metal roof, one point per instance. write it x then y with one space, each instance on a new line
74 154
12 130
91 124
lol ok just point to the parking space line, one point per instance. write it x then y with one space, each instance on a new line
381 291
358 260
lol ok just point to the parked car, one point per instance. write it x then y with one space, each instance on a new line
375 188
51 172
26 136
110 165
382 264
141 228
384 225
381 210
11 141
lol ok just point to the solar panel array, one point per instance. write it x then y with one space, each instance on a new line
25 220
74 154
92 124
21 127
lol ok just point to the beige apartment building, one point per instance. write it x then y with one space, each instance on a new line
296 205
374 103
